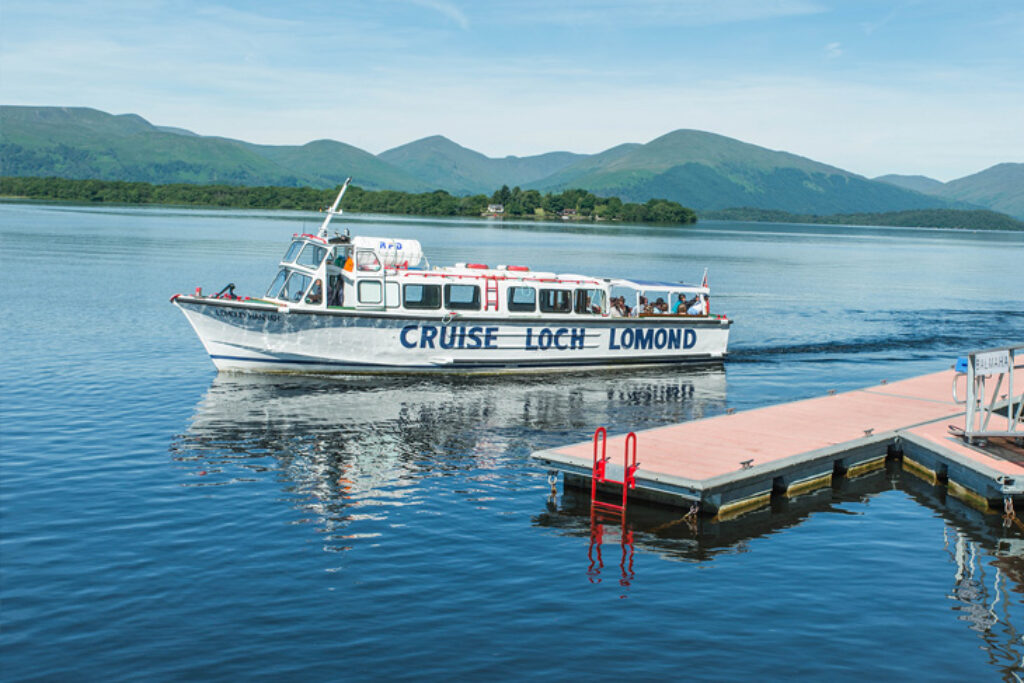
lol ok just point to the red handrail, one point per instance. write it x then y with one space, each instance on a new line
598 470
629 468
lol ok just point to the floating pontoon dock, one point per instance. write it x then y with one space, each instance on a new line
963 428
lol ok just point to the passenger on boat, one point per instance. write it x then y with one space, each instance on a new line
681 304
618 309
316 293
660 306
642 306
696 306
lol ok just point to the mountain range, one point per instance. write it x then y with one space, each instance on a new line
1000 188
698 169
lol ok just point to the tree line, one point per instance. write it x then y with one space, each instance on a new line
967 219
576 204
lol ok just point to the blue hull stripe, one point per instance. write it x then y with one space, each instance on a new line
471 365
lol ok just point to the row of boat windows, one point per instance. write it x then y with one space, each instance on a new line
519 299
292 285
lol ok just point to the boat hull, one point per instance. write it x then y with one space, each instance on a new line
245 336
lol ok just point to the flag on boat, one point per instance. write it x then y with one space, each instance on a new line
707 299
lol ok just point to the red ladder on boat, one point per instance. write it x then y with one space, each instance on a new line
629 467
490 293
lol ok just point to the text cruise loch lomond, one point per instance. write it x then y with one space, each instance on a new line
374 305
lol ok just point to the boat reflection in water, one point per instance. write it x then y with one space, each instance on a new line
346 445
359 457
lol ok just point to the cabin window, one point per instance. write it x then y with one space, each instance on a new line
555 301
462 297
371 292
293 251
590 301
275 286
341 254
422 296
522 299
312 256
295 287
391 294
367 261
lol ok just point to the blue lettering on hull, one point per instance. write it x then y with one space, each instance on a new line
545 338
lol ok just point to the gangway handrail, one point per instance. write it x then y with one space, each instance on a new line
977 366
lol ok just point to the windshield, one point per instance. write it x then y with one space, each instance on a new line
275 286
289 285
312 256
293 251
295 287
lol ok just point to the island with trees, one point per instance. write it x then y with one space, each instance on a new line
572 204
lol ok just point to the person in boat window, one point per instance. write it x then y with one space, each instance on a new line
618 307
642 306
681 304
316 293
696 306
659 306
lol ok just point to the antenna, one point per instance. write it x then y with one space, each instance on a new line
333 211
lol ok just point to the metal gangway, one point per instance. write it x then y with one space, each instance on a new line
985 407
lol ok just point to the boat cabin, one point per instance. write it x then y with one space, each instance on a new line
393 275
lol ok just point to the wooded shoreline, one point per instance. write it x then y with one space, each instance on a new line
572 205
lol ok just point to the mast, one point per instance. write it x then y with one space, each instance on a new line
333 211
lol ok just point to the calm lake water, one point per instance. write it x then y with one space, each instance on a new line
163 522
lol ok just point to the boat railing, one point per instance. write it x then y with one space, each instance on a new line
985 407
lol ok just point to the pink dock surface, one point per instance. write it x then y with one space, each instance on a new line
711 448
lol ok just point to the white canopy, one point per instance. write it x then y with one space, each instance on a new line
392 252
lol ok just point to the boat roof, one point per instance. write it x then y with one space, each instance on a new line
659 285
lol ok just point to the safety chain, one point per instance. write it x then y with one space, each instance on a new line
1008 514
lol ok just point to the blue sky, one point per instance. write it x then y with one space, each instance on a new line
930 87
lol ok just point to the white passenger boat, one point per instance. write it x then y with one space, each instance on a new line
375 305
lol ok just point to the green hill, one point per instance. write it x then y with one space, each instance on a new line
1000 188
443 164
77 142
708 172
917 183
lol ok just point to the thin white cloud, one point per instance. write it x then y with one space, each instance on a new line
833 50
653 12
446 9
